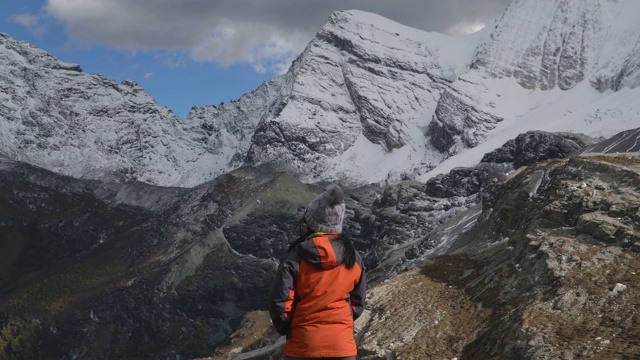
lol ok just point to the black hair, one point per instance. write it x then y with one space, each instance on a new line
303 234
299 240
349 252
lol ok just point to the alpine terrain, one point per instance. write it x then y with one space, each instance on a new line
491 185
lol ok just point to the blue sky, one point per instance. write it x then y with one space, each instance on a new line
188 53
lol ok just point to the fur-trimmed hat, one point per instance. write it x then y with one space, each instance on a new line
326 212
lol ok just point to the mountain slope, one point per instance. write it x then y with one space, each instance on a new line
59 118
87 267
55 116
547 65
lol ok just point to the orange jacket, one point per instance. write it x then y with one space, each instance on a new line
314 298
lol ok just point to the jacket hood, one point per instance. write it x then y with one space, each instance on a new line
325 250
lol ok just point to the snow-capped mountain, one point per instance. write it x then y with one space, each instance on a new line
368 100
353 102
357 104
557 66
55 116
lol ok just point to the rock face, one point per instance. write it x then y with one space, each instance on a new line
361 85
54 116
534 146
412 221
457 125
567 48
227 130
547 270
542 45
466 181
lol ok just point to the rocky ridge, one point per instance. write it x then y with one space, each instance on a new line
55 116
549 258
361 85
413 220
146 264
338 91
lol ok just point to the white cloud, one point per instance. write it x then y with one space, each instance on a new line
149 75
265 34
34 23
193 27
172 59
26 20
259 68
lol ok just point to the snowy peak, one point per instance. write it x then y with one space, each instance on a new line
354 101
27 54
548 65
54 116
358 99
544 44
442 55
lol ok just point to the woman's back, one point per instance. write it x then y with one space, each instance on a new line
320 285
326 303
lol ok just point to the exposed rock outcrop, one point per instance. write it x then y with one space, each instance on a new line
423 216
625 141
549 269
534 146
457 125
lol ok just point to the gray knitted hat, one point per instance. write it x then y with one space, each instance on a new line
326 212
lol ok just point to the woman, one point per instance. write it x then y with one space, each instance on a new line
319 289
